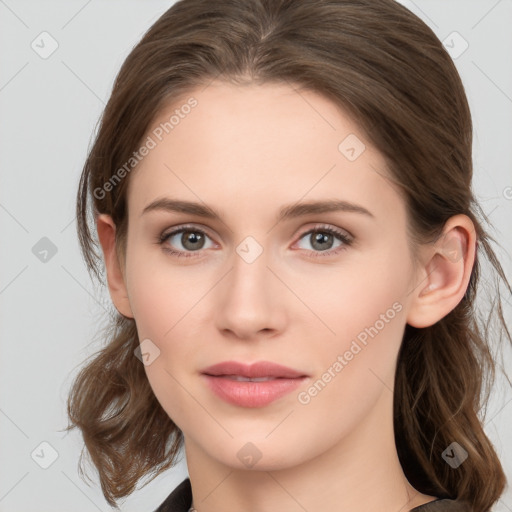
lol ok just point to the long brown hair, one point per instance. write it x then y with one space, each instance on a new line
389 71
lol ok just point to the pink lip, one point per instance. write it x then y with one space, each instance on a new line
221 379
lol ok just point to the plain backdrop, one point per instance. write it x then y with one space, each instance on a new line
50 310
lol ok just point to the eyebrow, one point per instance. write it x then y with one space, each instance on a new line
286 212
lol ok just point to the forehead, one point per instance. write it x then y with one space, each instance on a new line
253 145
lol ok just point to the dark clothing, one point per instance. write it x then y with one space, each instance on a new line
443 506
180 500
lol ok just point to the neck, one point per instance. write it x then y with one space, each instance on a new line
360 473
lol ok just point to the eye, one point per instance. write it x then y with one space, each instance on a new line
322 239
187 239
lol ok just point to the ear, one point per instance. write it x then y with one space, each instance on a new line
444 276
116 282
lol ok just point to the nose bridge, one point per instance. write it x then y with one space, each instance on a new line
249 275
250 299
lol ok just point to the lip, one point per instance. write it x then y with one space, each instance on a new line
225 380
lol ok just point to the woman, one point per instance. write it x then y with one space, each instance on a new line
282 194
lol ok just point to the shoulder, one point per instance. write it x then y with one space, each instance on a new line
444 506
179 500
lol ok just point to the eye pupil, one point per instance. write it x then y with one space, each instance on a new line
194 238
322 239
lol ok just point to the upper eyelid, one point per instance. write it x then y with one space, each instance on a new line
327 227
185 227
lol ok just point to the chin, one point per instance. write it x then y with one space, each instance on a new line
264 455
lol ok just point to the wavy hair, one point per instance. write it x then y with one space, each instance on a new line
389 71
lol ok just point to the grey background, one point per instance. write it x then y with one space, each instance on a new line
51 310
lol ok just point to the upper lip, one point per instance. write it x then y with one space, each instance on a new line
254 370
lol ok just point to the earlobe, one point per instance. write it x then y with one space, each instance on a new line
444 277
115 278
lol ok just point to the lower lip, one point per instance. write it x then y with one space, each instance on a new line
251 394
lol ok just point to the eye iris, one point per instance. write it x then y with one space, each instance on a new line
322 239
194 238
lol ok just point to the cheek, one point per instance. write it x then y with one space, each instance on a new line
160 293
355 373
371 307
366 310
362 299
166 303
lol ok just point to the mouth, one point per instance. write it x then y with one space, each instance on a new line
255 385
241 378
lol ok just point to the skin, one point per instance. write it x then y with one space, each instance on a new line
246 151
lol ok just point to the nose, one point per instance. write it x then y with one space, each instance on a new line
251 300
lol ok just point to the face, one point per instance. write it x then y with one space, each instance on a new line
268 276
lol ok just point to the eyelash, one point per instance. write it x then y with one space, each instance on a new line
347 241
